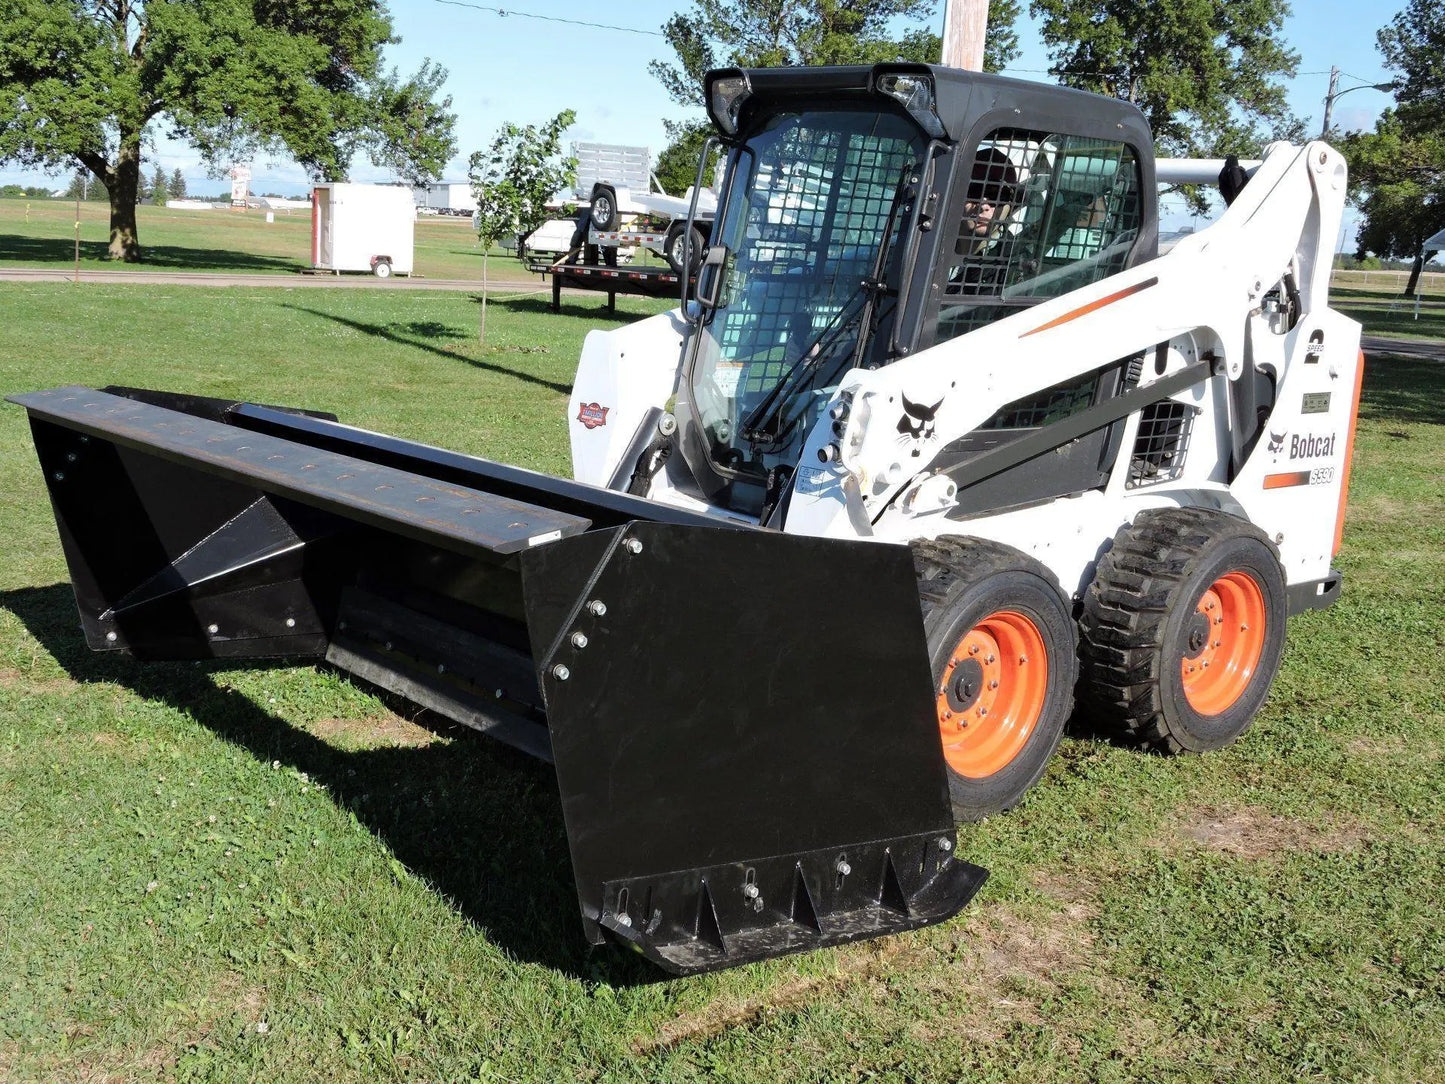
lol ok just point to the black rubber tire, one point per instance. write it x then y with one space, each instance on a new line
961 581
672 247
1135 623
381 269
603 207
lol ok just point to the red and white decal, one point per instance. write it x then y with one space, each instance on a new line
592 415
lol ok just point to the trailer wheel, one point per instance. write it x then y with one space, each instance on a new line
672 247
1001 645
604 208
1183 629
381 268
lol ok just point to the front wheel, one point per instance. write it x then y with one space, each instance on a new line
1001 645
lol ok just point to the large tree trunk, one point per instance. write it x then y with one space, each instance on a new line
124 185
1415 270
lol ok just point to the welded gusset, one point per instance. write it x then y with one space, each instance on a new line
704 919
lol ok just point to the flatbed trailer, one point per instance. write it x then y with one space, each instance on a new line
646 281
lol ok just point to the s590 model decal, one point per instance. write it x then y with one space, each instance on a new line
592 415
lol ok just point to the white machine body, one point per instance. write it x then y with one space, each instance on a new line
1205 300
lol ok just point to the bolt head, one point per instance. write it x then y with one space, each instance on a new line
843 867
994 684
290 622
945 845
597 608
59 476
110 637
71 457
633 545
750 891
982 712
624 919
579 640
560 672
973 650
213 629
441 668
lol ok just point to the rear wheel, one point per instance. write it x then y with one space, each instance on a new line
1001 645
381 269
1183 629
604 208
672 247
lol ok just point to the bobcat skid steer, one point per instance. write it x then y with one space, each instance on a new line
935 359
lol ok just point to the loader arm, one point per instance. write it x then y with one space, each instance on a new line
1195 324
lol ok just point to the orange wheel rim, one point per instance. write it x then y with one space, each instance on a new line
1225 639
992 694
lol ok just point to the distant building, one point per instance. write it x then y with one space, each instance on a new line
445 197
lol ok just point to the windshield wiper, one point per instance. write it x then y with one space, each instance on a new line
759 426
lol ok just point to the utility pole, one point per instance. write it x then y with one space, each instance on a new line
1335 92
1330 99
965 26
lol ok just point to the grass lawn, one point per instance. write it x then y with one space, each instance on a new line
270 873
41 233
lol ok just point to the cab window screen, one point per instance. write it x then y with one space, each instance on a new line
1044 213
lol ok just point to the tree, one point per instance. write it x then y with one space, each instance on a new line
1397 172
178 184
767 33
512 182
1208 74
160 188
84 81
773 33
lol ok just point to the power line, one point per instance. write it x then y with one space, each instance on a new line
505 12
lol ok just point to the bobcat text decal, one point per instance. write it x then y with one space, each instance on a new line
1311 447
592 415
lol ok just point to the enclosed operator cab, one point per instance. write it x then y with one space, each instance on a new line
869 213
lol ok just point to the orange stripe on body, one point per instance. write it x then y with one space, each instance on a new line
1092 306
1349 455
1283 481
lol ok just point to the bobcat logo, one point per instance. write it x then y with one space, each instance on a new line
916 426
1276 443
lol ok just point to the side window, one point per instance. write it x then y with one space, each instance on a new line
1043 213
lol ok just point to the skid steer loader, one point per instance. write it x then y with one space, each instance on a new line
942 439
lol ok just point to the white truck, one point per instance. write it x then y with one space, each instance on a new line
444 198
362 227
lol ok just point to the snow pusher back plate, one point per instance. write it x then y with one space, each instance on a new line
745 743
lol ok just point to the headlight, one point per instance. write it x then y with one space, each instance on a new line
726 94
915 93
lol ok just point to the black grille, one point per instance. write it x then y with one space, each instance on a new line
1162 443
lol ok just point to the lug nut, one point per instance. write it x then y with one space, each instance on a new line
994 684
579 640
597 608
560 672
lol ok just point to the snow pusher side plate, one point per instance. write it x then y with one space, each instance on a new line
745 742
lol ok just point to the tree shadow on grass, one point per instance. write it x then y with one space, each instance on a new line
537 305
1409 390
47 250
477 820
408 335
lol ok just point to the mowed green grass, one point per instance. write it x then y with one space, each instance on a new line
270 873
41 233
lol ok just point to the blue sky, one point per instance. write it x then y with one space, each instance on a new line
517 68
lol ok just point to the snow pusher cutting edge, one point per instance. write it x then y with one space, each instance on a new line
746 768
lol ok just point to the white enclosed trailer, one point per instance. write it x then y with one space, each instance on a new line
362 227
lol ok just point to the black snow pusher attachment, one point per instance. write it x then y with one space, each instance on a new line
745 745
